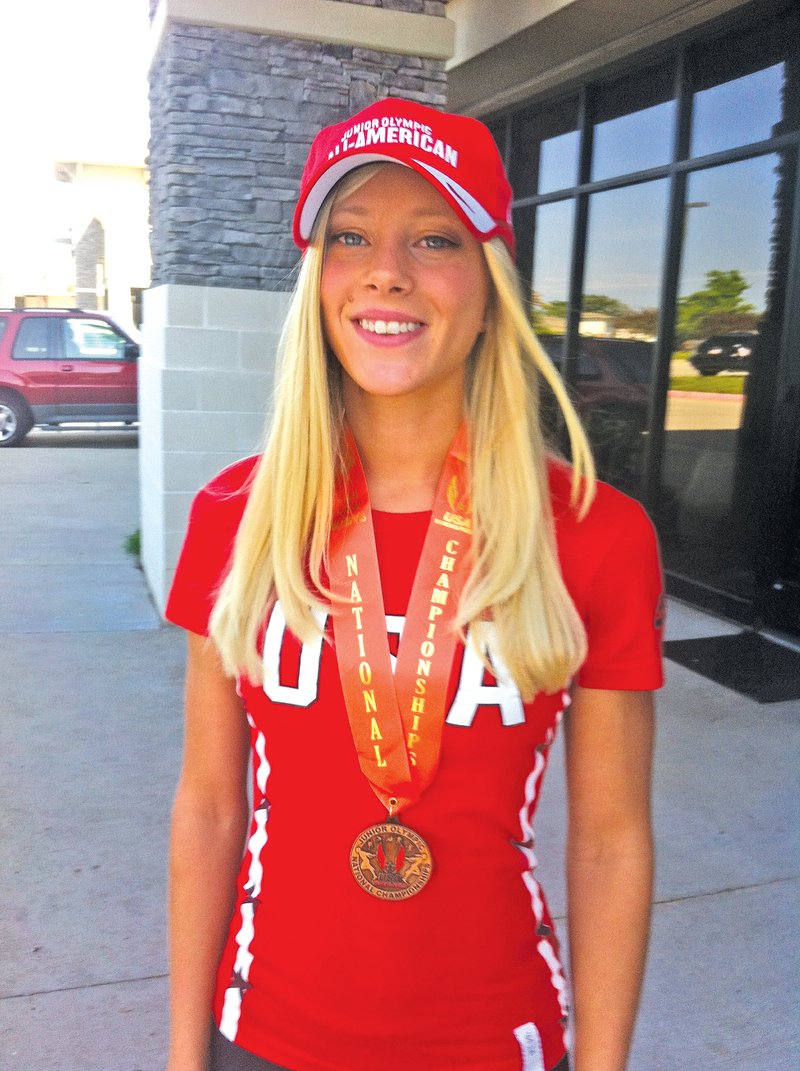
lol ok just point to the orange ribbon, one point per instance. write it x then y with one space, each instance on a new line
397 721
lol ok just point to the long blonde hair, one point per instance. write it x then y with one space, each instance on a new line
515 582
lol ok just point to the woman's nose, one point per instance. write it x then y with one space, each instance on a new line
388 268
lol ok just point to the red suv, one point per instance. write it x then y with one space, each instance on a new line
60 366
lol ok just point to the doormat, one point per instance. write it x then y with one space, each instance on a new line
747 663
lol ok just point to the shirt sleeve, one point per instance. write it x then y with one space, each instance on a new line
205 556
624 608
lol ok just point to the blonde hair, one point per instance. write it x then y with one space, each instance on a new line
515 581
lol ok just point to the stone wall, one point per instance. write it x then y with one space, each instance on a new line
232 116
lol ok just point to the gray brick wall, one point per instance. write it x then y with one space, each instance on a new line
232 116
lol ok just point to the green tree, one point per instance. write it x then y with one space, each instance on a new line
606 306
643 321
556 308
719 302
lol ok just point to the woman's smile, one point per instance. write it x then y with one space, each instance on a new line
387 327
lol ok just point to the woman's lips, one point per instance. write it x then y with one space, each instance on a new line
382 326
387 330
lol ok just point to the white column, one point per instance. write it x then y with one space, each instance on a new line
205 384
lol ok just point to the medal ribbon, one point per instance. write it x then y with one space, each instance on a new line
397 720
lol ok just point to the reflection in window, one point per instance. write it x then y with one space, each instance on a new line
738 112
726 253
544 155
551 264
558 162
33 339
634 142
618 325
623 259
92 340
634 123
723 375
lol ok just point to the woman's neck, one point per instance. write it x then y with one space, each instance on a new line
402 450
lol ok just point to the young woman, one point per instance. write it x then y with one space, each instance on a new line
404 593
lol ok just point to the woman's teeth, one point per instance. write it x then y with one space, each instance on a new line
388 327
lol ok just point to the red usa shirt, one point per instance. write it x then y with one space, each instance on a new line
317 975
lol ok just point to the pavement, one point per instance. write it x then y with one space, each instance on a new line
90 736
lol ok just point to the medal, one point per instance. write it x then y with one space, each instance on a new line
390 861
397 719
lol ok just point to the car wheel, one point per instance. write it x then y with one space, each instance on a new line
15 419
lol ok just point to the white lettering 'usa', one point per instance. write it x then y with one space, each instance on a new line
471 693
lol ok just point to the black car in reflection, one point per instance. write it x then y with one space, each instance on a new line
725 353
610 387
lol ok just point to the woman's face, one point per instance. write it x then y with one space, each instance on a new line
404 289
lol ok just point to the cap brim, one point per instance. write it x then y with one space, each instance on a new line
463 203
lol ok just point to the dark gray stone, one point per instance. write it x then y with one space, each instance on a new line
232 117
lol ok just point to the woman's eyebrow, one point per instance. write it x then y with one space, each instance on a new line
422 213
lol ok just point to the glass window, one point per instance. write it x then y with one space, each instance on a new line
737 112
3 325
723 373
544 149
625 246
634 123
552 253
743 91
33 340
92 340
622 279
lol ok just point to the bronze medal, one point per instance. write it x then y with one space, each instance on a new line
391 861
397 717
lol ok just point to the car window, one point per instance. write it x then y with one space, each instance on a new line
33 340
553 346
629 361
3 325
586 368
92 340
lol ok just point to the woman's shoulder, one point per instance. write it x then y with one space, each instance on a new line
214 518
232 482
611 567
608 501
218 505
613 518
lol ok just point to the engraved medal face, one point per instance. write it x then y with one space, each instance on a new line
391 861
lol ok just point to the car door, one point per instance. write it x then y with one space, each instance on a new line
34 365
99 370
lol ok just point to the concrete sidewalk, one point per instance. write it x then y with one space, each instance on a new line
90 728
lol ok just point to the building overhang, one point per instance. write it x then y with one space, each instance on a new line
325 21
532 50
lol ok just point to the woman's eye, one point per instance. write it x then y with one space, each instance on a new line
347 238
437 241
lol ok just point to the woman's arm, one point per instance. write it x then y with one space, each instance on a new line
209 824
609 743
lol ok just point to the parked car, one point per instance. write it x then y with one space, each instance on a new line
64 366
610 386
725 353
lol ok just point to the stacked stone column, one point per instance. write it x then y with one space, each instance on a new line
235 99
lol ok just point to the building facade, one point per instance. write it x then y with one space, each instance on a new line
653 152
654 161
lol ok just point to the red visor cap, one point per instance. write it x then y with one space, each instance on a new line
455 153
